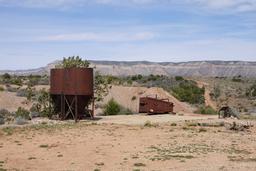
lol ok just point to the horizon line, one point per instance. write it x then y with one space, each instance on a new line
122 61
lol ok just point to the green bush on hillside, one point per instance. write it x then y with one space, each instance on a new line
184 90
206 110
179 78
16 81
112 108
216 93
237 78
6 76
189 92
251 92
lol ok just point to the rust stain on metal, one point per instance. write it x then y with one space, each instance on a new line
72 91
155 106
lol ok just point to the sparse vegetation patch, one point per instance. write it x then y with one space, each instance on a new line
113 108
139 164
22 113
206 110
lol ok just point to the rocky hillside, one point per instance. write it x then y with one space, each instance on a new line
197 68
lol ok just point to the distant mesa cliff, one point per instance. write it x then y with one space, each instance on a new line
195 68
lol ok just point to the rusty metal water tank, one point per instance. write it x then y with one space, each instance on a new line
71 90
72 81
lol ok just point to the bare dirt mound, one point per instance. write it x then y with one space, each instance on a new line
129 97
11 102
126 96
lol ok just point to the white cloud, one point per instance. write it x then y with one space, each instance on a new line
101 37
235 5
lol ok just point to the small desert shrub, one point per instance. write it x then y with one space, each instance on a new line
134 98
35 108
173 124
216 93
129 82
2 121
112 108
8 130
4 112
139 165
6 76
206 110
237 79
44 81
29 93
150 124
23 113
1 88
12 89
20 121
16 81
180 114
6 115
43 104
192 124
136 77
202 130
22 93
179 78
33 80
44 146
251 92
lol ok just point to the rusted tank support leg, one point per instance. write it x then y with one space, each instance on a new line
76 109
62 106
93 106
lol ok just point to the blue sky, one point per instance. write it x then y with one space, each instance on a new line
36 32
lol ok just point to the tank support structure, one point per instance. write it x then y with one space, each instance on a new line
71 105
72 92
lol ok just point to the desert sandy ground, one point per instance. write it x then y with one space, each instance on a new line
169 143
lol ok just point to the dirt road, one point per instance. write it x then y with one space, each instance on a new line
142 119
208 100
